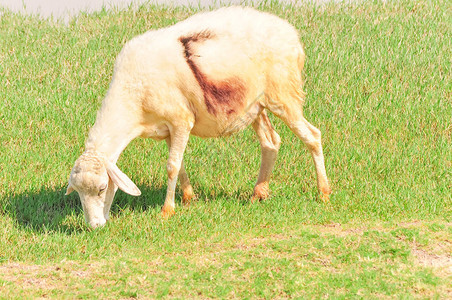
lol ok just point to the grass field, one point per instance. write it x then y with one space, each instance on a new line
379 86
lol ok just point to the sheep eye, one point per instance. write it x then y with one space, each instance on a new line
102 189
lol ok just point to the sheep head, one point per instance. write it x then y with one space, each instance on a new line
96 181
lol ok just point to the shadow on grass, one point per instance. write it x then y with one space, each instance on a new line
46 210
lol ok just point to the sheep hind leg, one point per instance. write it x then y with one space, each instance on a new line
270 142
178 142
292 115
187 189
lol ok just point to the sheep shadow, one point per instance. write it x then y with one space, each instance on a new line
46 210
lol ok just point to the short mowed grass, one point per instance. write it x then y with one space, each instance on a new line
379 86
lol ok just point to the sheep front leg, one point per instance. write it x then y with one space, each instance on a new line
187 189
178 142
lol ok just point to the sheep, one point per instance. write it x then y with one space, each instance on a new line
210 75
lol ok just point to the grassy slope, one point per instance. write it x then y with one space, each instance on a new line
378 79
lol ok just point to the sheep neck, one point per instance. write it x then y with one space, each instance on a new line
112 132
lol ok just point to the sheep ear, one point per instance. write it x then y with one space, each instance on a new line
69 189
121 180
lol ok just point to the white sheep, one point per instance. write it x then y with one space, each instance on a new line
211 75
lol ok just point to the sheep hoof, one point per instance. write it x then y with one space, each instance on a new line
261 192
325 197
255 199
188 195
167 212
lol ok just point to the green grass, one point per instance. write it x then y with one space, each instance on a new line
379 86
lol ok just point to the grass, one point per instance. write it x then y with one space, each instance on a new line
378 82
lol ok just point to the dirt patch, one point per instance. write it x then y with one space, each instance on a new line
413 223
48 277
338 230
441 263
27 276
255 242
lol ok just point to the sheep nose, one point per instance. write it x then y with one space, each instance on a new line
97 223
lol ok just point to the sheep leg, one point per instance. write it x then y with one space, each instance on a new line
178 143
187 189
311 136
270 142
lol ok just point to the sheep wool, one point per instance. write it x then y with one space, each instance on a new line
210 75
